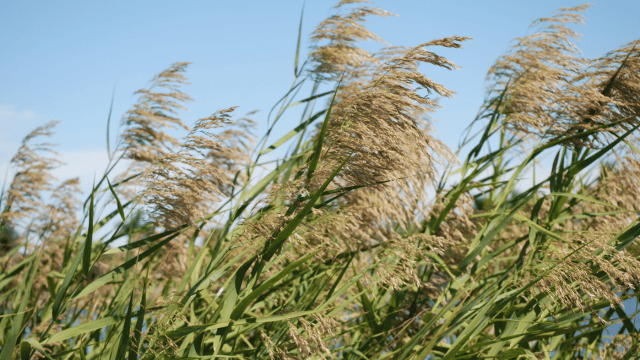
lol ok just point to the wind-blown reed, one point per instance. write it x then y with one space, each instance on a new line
357 244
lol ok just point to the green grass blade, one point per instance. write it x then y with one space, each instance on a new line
293 132
142 242
16 328
179 333
66 282
120 208
291 226
38 346
113 95
126 330
135 342
86 263
82 329
113 274
295 64
246 301
316 155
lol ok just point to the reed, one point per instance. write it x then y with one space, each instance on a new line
342 250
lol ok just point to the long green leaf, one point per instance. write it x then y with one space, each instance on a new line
120 208
113 274
316 155
86 261
25 290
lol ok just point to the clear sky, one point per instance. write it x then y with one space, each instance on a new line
61 60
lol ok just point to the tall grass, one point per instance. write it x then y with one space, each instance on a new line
342 250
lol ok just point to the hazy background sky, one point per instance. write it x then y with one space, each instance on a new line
62 60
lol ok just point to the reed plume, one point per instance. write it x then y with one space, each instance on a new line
183 184
33 163
145 138
342 249
549 91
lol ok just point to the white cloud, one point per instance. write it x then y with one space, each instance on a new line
14 124
83 164
9 113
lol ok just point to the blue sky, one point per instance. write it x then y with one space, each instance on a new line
62 60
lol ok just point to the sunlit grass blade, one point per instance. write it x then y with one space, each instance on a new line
113 95
318 148
136 340
89 240
113 274
17 321
126 330
295 64
293 132
118 204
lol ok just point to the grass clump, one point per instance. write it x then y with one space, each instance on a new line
342 250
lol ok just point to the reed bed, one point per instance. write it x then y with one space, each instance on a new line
369 239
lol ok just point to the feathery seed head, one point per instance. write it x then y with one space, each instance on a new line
144 137
340 54
551 92
33 176
181 188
